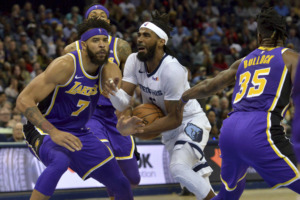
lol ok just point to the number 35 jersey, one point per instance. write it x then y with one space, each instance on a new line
72 104
263 82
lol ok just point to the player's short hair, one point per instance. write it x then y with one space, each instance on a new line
90 24
271 25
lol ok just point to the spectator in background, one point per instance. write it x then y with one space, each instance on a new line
12 91
213 32
253 10
17 133
2 99
205 58
16 117
282 9
219 62
293 39
69 29
74 15
214 132
200 75
5 116
126 6
115 33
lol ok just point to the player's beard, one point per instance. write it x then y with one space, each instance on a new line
95 59
147 56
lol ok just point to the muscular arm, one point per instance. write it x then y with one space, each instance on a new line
71 47
209 87
291 59
58 72
123 50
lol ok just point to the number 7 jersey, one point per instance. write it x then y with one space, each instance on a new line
71 105
263 82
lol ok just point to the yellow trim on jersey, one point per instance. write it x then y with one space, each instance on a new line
131 152
104 140
279 89
82 68
77 45
109 39
115 52
99 165
276 150
283 50
285 108
226 184
59 86
267 48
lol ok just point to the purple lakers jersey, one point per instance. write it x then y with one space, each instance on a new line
70 106
263 82
113 57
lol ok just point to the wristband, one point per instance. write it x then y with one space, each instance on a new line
183 101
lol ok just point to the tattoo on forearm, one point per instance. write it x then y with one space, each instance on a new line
36 118
123 50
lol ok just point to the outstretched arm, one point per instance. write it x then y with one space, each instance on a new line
209 87
58 72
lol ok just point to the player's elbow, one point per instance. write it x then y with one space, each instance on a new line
20 105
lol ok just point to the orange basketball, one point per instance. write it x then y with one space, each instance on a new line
148 112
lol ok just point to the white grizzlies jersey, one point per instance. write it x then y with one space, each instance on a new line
166 83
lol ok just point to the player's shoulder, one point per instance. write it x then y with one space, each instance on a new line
172 64
69 48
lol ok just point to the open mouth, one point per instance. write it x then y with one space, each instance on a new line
141 49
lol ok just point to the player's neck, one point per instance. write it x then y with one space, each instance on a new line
268 42
153 63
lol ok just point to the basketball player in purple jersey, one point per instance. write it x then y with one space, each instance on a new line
296 120
252 135
104 120
66 95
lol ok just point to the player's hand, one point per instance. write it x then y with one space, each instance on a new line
66 140
130 125
110 86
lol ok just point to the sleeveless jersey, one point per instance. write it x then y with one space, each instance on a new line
263 82
70 106
113 57
167 82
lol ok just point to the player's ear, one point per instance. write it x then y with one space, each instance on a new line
161 42
83 44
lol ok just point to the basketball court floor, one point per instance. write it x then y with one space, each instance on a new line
253 194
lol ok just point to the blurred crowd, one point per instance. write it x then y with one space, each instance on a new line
208 37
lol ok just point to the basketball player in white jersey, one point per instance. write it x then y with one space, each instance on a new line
162 80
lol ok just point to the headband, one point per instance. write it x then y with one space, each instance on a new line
90 33
159 32
96 7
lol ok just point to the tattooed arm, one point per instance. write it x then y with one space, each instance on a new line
123 51
58 72
209 87
71 47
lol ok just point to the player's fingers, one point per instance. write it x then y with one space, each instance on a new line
74 142
136 119
139 130
67 146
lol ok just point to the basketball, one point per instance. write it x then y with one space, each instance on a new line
148 112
